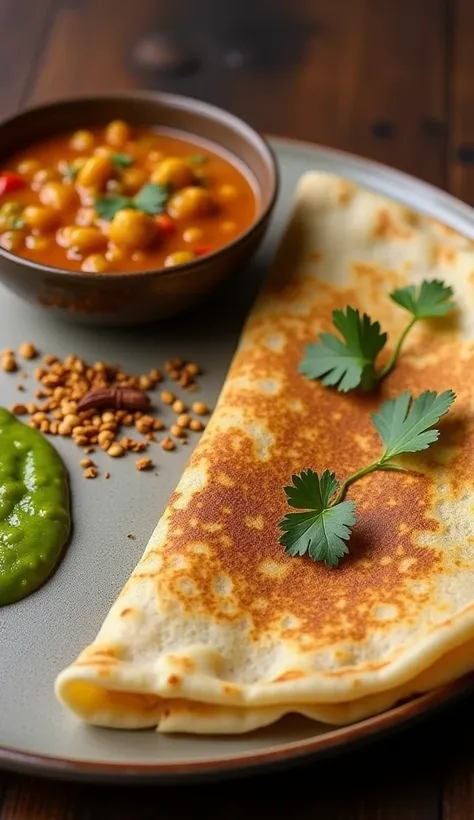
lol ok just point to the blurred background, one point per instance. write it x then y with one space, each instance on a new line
387 79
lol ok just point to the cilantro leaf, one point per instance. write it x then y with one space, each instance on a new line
152 198
405 426
350 363
197 159
107 206
322 530
430 299
308 489
70 171
122 160
404 423
18 224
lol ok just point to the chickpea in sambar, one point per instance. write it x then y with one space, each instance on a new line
120 199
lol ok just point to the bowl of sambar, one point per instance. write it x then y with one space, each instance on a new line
129 207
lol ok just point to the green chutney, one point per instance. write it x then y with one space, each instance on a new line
35 521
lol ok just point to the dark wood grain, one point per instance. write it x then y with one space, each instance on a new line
400 778
25 799
344 75
24 26
399 83
458 799
461 168
87 45
393 81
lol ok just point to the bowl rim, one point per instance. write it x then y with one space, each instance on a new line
177 101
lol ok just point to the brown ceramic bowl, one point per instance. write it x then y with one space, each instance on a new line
131 298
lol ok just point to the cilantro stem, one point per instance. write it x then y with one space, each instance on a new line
393 358
380 464
404 425
354 477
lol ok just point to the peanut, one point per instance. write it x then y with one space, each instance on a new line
19 410
91 472
167 397
142 426
145 383
72 420
183 420
27 351
200 408
115 450
81 441
105 437
9 364
178 406
109 425
86 462
144 464
50 359
168 444
177 431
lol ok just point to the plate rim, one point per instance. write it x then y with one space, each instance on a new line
344 738
411 191
460 216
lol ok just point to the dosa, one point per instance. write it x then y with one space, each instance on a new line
218 630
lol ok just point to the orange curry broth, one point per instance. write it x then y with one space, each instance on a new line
232 215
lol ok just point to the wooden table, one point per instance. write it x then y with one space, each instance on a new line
389 80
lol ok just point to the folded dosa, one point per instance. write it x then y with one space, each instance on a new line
217 630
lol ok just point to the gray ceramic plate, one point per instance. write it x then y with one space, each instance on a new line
42 634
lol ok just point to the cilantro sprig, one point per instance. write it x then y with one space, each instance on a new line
350 362
151 199
70 171
197 159
122 160
405 425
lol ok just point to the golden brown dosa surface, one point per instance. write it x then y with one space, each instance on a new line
215 614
